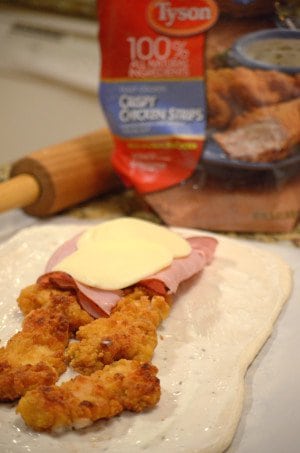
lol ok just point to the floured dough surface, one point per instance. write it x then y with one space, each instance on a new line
217 325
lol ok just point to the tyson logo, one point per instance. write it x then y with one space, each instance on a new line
182 17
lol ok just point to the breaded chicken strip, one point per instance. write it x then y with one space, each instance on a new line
35 355
124 385
37 296
233 91
129 333
266 134
219 82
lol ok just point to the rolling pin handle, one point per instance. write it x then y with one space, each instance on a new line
19 192
52 179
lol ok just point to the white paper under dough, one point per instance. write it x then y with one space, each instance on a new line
217 325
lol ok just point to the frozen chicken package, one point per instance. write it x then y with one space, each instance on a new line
203 101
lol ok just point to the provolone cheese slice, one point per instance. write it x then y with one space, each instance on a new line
127 228
121 252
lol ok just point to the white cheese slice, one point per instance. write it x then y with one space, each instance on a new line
119 253
126 228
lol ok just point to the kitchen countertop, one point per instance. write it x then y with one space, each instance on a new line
124 202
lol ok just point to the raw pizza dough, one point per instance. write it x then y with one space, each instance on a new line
218 323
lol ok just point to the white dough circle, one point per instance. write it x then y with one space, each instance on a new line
218 323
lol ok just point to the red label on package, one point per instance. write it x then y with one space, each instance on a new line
152 88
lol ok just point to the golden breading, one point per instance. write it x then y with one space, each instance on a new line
124 385
16 380
108 339
34 355
141 303
37 296
129 333
233 91
218 96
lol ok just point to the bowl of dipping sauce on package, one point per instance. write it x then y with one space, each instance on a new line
273 49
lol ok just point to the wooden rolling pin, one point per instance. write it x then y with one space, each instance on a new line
52 179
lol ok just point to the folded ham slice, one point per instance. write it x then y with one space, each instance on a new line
98 302
184 268
95 301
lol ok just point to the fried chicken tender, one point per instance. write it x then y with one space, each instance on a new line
266 134
233 91
16 380
37 296
129 333
35 355
218 84
123 385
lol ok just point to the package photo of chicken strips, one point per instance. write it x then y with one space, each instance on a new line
204 108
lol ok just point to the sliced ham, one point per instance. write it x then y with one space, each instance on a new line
99 302
62 252
181 269
204 244
95 301
104 299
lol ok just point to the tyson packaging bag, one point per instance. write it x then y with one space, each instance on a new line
206 124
